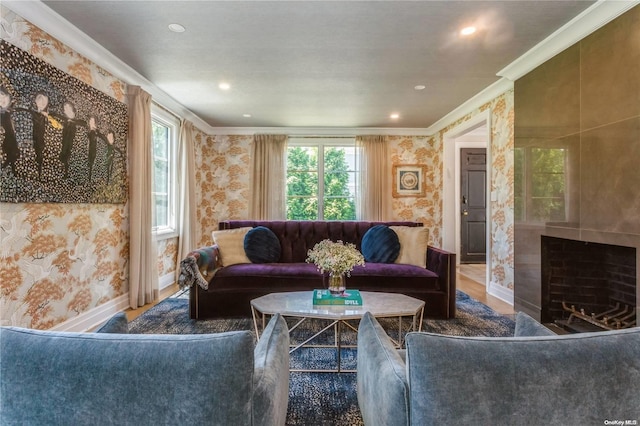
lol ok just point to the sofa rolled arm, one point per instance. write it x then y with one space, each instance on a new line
528 327
199 266
382 386
443 263
271 374
440 261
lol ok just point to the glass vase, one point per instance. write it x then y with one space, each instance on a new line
337 283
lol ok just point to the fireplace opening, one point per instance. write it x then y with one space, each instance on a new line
587 286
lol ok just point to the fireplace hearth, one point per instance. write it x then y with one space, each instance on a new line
587 286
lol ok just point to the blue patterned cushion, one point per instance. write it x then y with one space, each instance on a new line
380 245
261 245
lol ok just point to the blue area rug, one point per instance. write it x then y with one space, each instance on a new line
322 398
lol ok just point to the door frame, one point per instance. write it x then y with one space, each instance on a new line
452 144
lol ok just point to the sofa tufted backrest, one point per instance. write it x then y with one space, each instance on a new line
297 237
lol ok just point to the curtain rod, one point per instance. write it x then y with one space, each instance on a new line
166 109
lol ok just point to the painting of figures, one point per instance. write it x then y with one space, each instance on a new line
62 141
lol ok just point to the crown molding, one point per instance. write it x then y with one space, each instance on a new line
590 20
321 131
582 25
473 103
55 25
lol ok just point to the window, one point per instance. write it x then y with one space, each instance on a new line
321 179
540 184
164 127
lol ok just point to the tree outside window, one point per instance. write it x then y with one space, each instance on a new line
321 182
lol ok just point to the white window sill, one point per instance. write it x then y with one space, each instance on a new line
165 235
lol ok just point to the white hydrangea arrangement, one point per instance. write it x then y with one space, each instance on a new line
335 257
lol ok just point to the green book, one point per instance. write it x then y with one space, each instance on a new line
324 297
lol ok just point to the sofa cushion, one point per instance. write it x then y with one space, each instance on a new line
584 377
261 245
380 244
413 244
230 243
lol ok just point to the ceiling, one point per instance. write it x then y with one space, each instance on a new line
319 63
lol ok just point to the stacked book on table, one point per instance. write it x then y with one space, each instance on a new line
349 297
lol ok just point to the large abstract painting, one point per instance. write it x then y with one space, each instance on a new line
62 141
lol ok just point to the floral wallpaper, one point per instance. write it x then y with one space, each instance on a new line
222 181
167 256
15 30
60 260
428 210
502 184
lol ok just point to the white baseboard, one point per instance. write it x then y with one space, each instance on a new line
166 280
503 293
94 317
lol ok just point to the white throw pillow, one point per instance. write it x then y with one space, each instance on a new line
231 245
413 244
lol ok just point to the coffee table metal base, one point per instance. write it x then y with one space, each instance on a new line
260 320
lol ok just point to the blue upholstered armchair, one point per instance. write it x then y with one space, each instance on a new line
534 378
114 378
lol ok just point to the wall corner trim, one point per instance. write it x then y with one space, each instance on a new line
40 15
490 93
590 20
501 292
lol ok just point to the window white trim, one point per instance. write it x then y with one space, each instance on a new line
167 119
321 142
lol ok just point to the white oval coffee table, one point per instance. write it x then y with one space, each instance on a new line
299 304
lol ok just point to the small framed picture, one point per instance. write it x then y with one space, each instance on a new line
409 180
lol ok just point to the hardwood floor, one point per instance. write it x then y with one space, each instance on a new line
470 280
164 293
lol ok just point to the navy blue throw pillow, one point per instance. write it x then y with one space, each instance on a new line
380 245
261 245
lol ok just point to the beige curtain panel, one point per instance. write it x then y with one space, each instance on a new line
375 178
268 177
143 275
187 220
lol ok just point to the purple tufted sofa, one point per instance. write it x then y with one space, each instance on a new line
230 289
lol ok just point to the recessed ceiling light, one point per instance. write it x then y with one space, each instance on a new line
246 115
394 116
224 86
468 31
177 28
420 87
